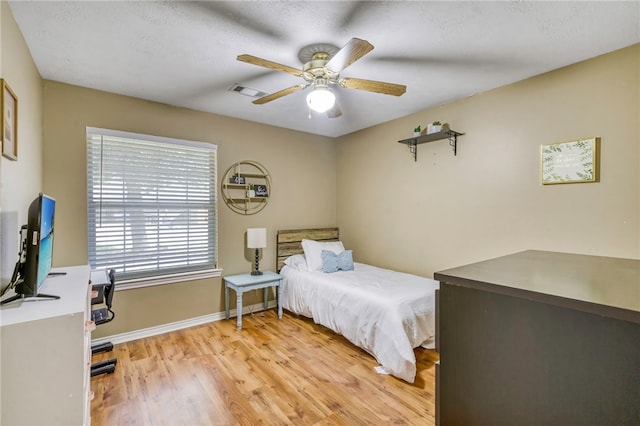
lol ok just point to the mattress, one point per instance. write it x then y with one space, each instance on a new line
384 312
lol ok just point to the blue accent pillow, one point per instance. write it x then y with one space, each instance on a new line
332 262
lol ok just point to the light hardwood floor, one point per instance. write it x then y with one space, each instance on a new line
281 372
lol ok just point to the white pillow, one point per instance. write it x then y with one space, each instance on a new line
313 252
297 261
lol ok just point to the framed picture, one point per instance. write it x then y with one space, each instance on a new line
9 125
238 179
570 162
261 190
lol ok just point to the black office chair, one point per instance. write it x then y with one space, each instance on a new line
102 316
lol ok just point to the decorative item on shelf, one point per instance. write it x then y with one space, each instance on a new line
237 179
256 239
434 127
251 192
261 190
416 132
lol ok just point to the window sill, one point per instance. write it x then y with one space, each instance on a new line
167 279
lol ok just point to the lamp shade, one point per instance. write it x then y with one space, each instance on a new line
321 99
256 237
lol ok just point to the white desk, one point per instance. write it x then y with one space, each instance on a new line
46 354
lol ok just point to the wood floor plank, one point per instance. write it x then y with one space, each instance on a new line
272 372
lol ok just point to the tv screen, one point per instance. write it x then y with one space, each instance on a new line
46 238
39 257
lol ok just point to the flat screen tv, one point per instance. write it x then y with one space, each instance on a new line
36 260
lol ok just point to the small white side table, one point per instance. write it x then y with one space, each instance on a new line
246 282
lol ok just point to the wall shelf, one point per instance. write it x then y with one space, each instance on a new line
413 142
236 196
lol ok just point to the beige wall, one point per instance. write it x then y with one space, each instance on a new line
444 211
296 161
20 181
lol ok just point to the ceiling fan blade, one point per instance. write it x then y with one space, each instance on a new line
352 51
334 112
269 64
281 93
373 86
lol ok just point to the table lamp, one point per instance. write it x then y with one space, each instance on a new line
256 239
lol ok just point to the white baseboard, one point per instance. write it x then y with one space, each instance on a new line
178 325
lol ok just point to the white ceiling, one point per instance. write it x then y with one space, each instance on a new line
183 53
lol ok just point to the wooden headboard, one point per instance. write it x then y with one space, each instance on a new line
289 241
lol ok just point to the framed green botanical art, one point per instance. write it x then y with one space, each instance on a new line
570 162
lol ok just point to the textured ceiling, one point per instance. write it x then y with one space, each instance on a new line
184 53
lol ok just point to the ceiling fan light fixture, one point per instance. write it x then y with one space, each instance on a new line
321 99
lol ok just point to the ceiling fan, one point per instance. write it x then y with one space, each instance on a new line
322 66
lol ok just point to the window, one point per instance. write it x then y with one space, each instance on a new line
151 206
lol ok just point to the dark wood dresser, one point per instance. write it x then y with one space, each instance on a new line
539 338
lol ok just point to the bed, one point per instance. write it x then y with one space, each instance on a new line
384 312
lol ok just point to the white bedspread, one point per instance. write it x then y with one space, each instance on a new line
384 312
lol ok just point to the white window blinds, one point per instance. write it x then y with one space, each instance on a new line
151 204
